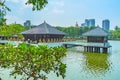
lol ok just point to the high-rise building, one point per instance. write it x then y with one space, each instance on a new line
83 24
89 22
106 24
27 23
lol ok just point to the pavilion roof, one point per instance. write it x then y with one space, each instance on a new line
44 28
96 32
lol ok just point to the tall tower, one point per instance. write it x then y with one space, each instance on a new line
106 24
76 24
89 22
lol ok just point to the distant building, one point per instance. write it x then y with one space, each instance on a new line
76 24
91 22
88 23
83 24
106 24
27 23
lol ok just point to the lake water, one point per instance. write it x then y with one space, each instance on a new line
87 66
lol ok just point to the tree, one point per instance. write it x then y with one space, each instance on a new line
3 9
116 28
33 62
13 29
30 61
37 5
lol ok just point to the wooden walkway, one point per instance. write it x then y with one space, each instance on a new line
101 45
90 47
68 45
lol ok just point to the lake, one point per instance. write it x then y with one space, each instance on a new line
86 66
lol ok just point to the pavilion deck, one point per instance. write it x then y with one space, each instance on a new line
91 47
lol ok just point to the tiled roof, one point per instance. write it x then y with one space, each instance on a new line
43 28
96 32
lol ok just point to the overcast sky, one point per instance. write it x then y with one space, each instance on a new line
66 12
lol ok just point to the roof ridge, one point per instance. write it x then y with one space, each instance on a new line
45 24
44 28
98 31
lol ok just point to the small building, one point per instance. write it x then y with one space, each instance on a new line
97 41
2 37
43 33
14 37
27 23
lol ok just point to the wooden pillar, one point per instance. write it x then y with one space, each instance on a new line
98 49
90 49
65 45
85 49
93 49
105 50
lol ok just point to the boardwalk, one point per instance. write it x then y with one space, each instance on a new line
90 47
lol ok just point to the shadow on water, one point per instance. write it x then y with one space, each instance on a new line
97 64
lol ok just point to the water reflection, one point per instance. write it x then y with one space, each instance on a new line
97 64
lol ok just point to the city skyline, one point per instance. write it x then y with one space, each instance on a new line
66 13
106 24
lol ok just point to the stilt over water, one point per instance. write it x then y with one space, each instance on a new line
96 48
97 41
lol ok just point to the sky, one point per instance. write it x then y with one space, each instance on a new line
65 12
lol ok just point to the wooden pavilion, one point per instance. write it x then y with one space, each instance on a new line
97 41
43 33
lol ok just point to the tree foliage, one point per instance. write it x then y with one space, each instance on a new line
32 62
9 30
37 4
115 34
74 32
3 10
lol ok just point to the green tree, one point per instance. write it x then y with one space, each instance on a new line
115 34
31 62
9 30
3 10
74 32
116 28
37 5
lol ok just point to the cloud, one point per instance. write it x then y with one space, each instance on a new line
58 11
21 3
13 19
60 3
58 6
57 3
14 1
